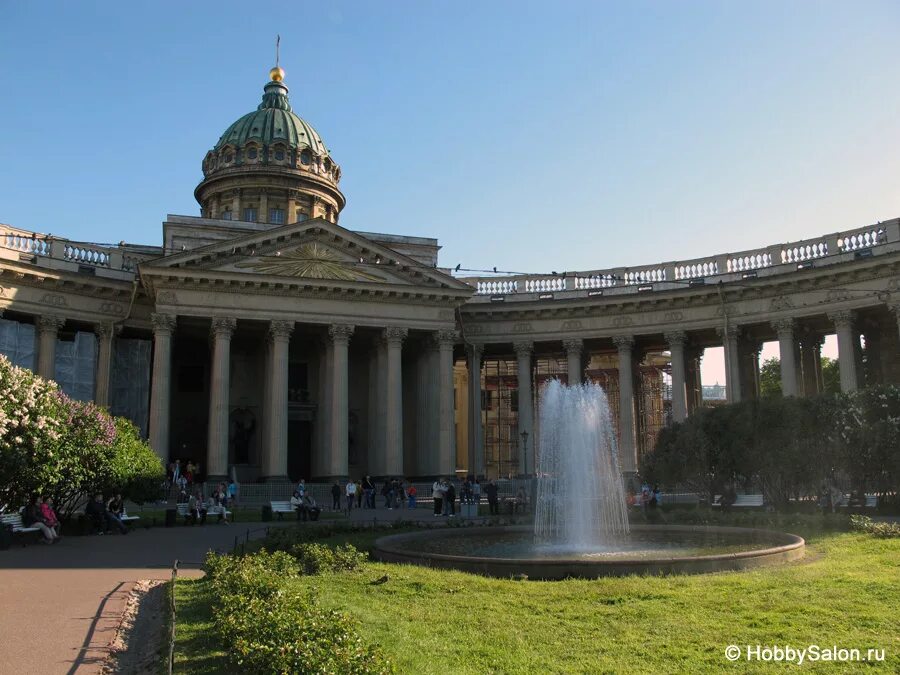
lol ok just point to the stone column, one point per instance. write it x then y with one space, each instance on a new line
476 430
338 460
895 308
627 436
321 466
445 340
787 350
263 216
847 349
161 387
105 333
236 204
677 340
729 335
573 349
48 328
275 457
748 353
393 337
219 392
694 356
526 405
809 353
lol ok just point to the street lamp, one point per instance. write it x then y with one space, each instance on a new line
525 453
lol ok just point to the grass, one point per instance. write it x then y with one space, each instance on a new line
845 592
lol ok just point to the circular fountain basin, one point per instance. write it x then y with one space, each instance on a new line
648 549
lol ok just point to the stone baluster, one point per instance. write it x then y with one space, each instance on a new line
161 387
574 347
848 348
627 435
445 340
221 330
105 334
526 405
476 430
394 337
676 341
48 329
340 335
788 354
275 459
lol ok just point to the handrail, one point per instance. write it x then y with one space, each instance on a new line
790 253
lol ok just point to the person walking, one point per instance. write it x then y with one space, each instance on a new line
476 494
493 502
336 496
437 496
411 496
369 492
451 499
350 491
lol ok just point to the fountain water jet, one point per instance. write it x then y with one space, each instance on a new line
580 497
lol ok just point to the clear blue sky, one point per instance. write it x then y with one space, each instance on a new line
530 136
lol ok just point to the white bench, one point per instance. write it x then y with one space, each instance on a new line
14 522
742 501
281 508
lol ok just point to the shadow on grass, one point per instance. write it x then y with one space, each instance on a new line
197 648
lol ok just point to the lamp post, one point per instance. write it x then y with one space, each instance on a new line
525 453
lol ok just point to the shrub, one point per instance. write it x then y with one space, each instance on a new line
317 558
269 626
882 530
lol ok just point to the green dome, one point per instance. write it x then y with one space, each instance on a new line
271 122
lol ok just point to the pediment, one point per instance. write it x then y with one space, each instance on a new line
311 250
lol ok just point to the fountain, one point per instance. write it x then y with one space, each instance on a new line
581 524
580 499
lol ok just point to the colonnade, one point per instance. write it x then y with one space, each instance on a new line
331 457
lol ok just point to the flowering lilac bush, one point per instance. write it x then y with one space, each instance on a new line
52 444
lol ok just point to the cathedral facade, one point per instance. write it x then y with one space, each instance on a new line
266 338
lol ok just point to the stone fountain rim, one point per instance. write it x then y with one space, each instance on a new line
390 549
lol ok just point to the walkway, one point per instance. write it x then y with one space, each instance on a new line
62 603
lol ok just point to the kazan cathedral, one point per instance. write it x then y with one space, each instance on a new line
266 340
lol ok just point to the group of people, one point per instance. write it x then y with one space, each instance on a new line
304 503
106 515
359 494
181 476
40 514
198 506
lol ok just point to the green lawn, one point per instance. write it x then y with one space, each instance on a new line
846 592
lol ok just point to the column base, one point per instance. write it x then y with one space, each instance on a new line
330 479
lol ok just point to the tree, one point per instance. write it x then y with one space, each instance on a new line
831 376
770 378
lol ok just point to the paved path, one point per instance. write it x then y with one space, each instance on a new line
61 604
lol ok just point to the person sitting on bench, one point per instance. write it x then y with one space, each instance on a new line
196 508
298 505
32 517
114 510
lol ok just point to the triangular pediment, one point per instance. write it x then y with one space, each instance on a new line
311 250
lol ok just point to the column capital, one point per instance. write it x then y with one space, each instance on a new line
523 349
163 323
280 330
475 350
841 318
624 343
784 327
395 334
893 306
676 338
446 338
106 330
573 344
340 332
729 332
49 323
223 326
811 340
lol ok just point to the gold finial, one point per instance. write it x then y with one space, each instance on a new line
277 73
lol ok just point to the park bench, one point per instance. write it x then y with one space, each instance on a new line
742 501
210 511
281 508
13 521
